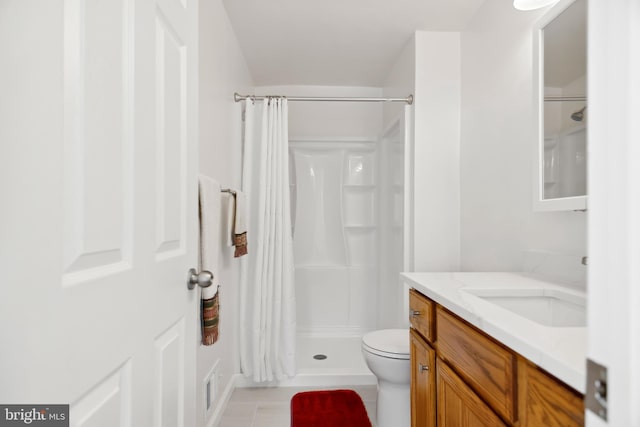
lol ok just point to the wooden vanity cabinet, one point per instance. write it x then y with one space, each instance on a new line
423 360
477 380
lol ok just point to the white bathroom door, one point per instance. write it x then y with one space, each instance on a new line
614 209
98 222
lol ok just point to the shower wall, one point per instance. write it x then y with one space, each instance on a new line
341 169
336 234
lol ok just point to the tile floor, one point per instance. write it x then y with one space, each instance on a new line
269 406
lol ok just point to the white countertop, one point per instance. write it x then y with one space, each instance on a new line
560 351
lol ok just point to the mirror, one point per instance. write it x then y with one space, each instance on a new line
561 110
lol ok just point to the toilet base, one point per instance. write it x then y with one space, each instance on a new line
386 353
393 405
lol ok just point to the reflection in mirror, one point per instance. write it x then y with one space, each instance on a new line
564 111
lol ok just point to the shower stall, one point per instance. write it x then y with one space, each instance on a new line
347 183
347 197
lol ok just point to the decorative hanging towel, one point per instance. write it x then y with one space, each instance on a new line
240 225
210 210
210 319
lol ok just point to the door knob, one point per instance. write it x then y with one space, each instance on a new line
204 279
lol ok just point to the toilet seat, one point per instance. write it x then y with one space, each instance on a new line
390 343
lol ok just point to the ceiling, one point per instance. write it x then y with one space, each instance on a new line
335 42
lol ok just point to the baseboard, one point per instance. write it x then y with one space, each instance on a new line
313 380
223 401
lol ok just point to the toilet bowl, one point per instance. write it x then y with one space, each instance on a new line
386 353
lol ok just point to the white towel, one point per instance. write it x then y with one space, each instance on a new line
228 218
210 209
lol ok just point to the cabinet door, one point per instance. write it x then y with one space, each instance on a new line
544 401
458 405
486 365
423 383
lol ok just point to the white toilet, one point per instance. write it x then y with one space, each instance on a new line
387 355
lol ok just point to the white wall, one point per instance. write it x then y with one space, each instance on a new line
429 68
223 71
497 223
436 172
400 81
330 119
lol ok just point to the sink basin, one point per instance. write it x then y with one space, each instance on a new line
548 307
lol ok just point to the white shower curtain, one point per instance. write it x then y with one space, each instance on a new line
267 299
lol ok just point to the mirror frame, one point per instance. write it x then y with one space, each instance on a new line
576 203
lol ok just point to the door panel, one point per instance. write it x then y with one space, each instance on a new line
170 377
98 140
108 402
171 137
99 220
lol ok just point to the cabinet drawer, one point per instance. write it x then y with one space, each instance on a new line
488 367
421 314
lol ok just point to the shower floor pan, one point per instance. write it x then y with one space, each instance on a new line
330 361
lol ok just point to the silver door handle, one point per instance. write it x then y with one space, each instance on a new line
204 279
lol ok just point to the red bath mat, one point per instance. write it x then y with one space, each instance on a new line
328 408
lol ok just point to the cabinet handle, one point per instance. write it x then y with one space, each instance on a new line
414 313
422 368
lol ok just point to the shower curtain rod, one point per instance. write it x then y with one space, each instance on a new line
409 99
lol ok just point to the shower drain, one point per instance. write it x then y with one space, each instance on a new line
320 356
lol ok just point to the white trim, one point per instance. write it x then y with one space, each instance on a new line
223 401
409 156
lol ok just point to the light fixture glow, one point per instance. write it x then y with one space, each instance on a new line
532 4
